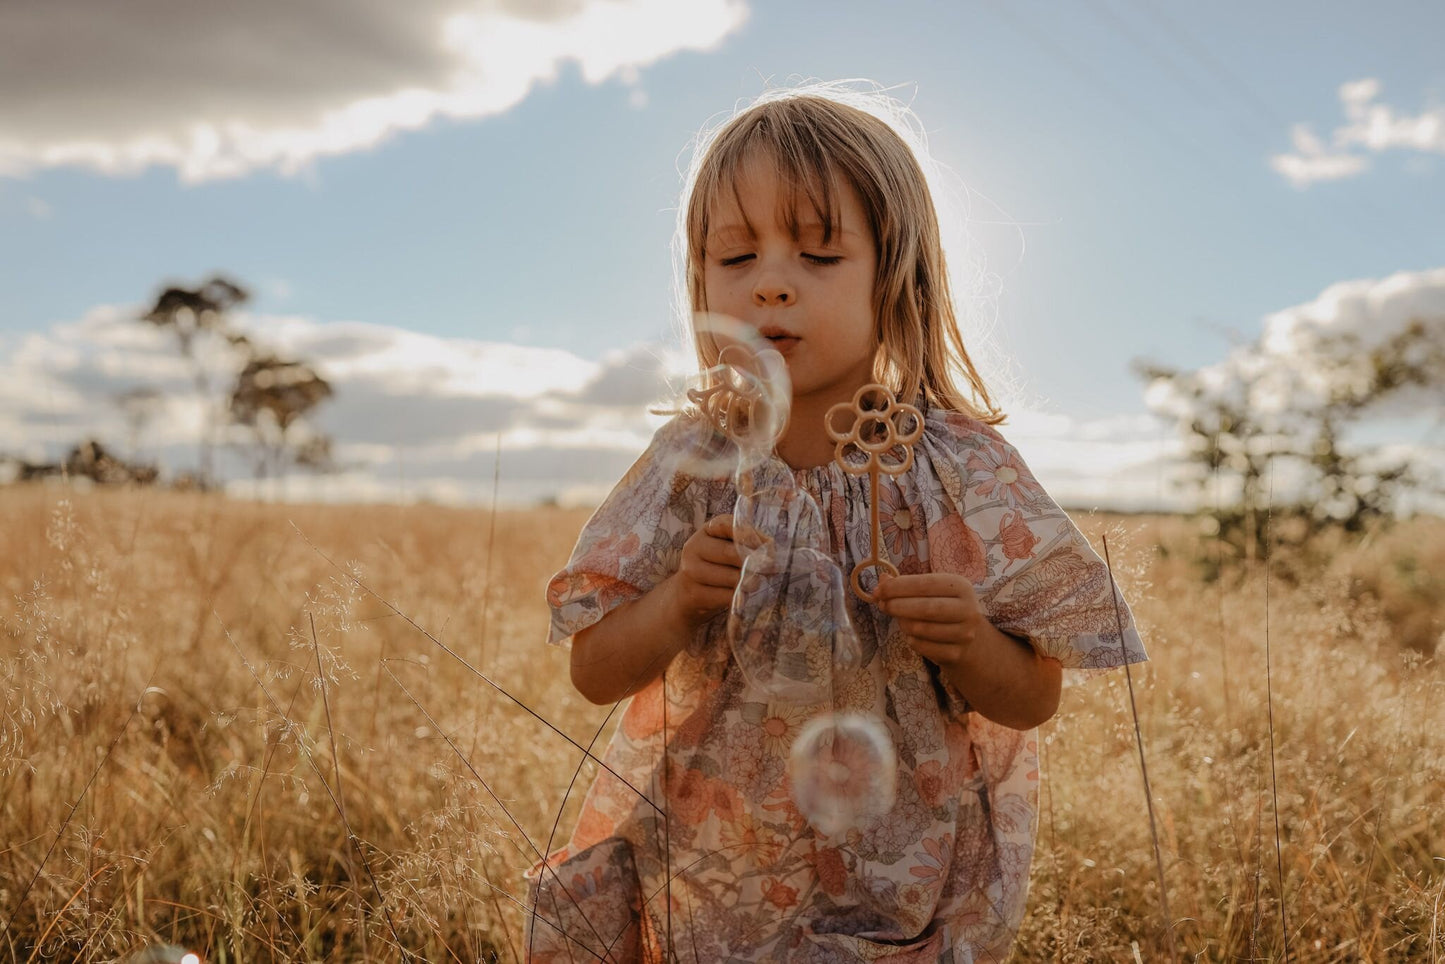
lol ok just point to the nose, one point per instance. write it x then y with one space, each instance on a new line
773 288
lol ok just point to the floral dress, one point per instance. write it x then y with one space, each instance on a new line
690 846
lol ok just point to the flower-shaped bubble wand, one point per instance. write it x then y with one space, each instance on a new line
788 625
874 425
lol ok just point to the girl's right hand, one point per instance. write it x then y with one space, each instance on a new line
708 575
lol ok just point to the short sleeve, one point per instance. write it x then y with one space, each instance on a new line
634 540
1042 580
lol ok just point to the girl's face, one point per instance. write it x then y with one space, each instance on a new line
812 300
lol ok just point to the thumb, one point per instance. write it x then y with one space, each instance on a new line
719 526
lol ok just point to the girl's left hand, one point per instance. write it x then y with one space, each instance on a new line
938 611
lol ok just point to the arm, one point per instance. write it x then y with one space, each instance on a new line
631 646
1002 677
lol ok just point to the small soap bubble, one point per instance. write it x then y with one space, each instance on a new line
844 770
745 398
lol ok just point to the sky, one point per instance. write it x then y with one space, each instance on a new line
461 210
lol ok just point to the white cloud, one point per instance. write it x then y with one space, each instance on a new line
1124 462
219 90
1369 126
1312 162
425 409
1370 309
420 416
1309 352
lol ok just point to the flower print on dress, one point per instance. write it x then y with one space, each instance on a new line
644 715
934 859
902 527
748 837
830 868
1001 474
931 777
900 830
740 754
1017 538
595 824
780 724
587 884
779 894
688 797
953 546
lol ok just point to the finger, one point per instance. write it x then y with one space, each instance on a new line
723 552
936 609
719 527
925 584
939 653
712 574
947 633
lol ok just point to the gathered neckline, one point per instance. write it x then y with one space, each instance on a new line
832 472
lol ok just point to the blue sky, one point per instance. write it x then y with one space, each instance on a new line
1119 157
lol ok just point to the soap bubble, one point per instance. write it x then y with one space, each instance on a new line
780 517
844 769
747 396
788 625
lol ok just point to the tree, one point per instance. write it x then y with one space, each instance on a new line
190 313
272 397
1260 407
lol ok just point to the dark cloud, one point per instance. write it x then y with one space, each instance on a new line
352 342
371 411
547 467
633 379
122 66
218 89
102 386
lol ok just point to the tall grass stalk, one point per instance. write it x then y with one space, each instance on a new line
1269 704
1143 764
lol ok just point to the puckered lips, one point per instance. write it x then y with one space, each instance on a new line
782 340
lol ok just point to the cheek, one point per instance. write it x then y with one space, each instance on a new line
714 288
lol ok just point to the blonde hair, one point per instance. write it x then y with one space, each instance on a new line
813 139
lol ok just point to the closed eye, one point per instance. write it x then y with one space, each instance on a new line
739 259
822 258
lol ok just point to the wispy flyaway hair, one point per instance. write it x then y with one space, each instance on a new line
815 142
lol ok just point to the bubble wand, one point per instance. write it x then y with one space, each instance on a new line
875 430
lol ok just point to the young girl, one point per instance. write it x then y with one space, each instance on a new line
810 221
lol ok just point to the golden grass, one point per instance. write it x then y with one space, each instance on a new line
158 666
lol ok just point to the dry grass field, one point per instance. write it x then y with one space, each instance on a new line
252 731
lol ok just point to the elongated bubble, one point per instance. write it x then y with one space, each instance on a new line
844 770
789 628
778 516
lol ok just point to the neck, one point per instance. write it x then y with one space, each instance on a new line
805 444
